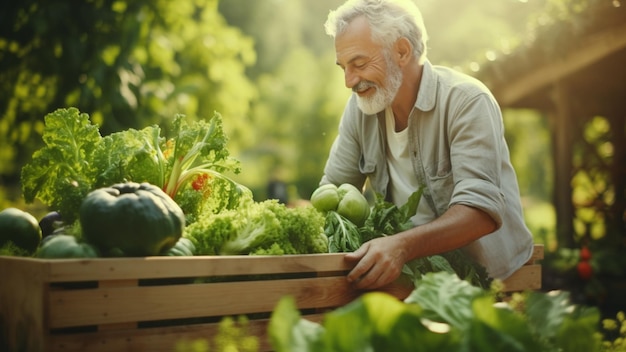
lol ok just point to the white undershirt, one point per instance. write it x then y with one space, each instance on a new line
399 164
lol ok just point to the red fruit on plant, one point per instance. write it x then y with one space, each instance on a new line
585 254
585 271
199 182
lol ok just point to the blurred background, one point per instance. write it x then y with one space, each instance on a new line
556 67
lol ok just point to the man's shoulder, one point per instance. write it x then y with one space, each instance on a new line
453 77
452 82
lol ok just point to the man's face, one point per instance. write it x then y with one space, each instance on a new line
368 68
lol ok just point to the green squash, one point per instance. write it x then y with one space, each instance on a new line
137 219
346 200
60 245
21 228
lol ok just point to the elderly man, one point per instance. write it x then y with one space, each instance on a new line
408 124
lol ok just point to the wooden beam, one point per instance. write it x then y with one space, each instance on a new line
589 50
563 131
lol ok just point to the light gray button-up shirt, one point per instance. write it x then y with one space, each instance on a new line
458 152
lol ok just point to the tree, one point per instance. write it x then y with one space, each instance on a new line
301 92
128 64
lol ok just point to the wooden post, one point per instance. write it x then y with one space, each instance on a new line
562 126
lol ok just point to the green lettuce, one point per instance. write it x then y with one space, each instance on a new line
189 166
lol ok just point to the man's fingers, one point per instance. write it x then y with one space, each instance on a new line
358 254
359 271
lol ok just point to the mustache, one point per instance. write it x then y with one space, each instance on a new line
363 85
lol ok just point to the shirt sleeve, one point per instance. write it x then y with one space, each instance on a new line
477 146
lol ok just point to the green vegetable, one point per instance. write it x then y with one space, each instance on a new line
386 219
325 197
346 200
21 228
443 313
136 219
76 160
343 235
61 245
267 227
184 247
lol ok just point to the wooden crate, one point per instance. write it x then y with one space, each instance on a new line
528 277
151 303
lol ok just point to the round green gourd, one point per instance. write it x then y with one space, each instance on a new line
354 207
21 228
61 245
131 218
325 197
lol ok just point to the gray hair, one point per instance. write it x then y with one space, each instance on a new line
389 21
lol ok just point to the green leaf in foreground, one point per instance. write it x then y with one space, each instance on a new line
289 332
446 298
380 322
559 322
444 313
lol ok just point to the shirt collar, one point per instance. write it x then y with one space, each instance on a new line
427 93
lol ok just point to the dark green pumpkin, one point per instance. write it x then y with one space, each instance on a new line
61 245
183 248
138 219
21 228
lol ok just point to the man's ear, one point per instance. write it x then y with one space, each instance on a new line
403 51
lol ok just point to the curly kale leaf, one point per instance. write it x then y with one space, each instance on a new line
131 155
60 174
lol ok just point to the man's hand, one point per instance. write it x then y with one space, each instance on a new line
380 262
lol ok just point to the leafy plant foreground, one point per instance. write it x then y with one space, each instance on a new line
443 313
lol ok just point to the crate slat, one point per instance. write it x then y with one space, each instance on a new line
156 339
70 270
68 308
527 277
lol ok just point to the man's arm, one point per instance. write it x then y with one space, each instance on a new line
380 260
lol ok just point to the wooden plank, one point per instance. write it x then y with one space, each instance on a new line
538 253
156 339
528 277
596 47
146 303
22 320
68 270
153 339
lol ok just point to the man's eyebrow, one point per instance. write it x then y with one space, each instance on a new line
351 60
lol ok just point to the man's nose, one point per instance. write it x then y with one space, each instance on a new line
351 79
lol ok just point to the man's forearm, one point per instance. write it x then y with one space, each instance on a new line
457 227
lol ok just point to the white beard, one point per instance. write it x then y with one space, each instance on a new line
382 97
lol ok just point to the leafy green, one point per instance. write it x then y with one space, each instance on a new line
343 235
287 331
61 173
558 322
266 227
233 334
444 313
445 299
76 159
387 219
